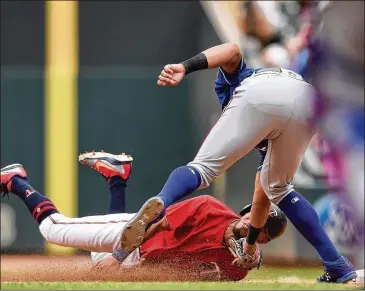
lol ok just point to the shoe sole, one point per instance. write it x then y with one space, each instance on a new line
135 230
101 155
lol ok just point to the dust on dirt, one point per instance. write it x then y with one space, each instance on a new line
79 268
47 268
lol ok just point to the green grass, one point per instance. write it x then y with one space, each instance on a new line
267 278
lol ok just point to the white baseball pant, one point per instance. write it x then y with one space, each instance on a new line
99 234
273 106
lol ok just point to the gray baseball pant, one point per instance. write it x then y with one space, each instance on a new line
273 106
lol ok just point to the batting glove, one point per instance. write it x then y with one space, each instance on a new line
242 260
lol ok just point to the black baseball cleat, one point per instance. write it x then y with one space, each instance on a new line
334 278
341 271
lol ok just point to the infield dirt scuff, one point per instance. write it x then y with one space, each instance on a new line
79 268
38 268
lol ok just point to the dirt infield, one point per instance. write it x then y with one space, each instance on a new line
38 268
78 268
41 268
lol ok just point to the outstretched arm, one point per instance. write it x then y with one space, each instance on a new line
228 56
259 213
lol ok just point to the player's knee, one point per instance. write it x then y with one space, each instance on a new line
207 173
277 194
276 199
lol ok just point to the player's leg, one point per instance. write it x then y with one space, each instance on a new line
116 169
92 233
258 110
283 158
95 233
117 205
252 115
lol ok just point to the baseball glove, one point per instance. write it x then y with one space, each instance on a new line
242 260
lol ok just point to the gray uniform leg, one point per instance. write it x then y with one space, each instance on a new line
260 109
283 158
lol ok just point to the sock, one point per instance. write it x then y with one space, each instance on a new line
305 219
117 195
181 182
38 205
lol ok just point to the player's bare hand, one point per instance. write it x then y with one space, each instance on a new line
171 75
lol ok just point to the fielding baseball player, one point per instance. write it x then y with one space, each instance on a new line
200 234
263 108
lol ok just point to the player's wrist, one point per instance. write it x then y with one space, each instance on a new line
196 63
183 68
253 234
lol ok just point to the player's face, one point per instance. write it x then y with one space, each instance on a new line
263 238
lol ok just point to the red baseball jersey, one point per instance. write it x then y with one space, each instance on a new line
195 236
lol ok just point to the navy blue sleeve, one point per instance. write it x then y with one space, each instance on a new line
226 83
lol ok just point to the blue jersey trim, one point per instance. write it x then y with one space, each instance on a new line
224 76
225 84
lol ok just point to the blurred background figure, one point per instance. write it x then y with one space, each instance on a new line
271 33
336 68
338 217
275 32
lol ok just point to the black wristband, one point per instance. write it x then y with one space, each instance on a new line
199 62
253 234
